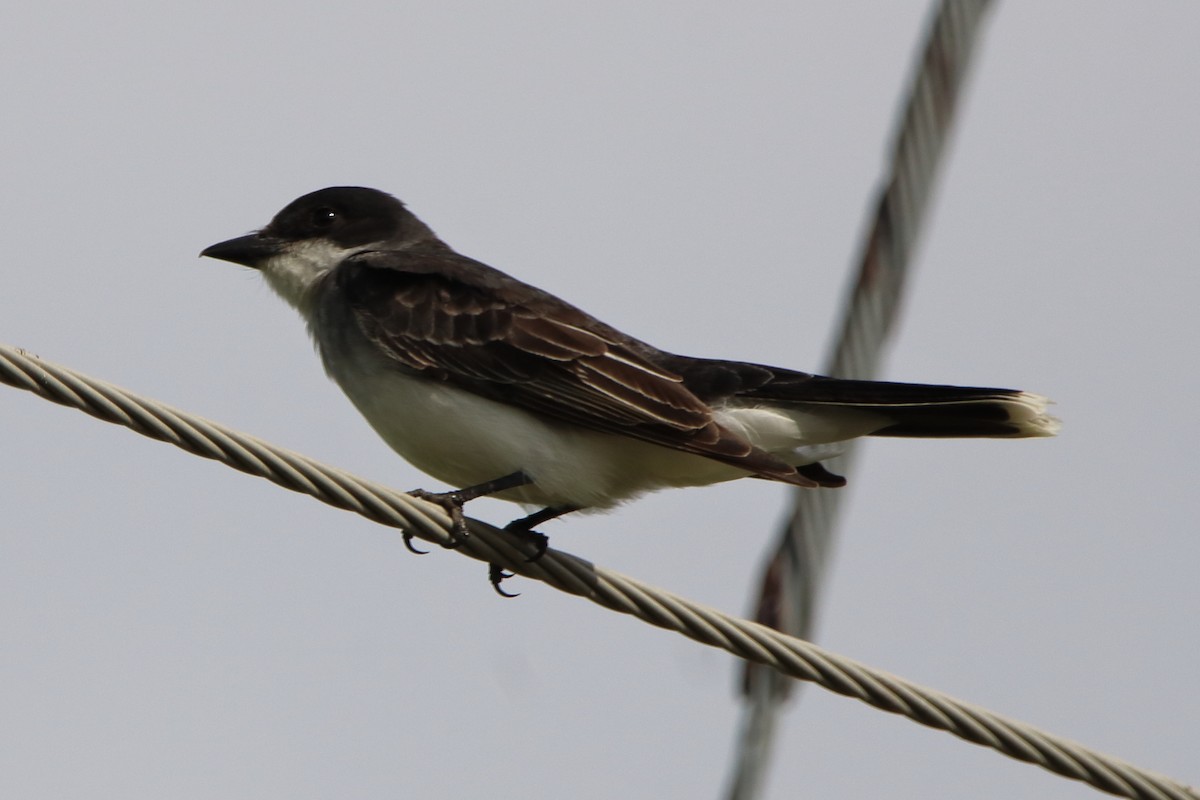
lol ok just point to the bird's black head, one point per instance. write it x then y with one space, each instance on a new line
345 217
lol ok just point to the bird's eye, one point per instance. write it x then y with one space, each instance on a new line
323 217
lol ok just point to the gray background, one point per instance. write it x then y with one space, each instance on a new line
171 628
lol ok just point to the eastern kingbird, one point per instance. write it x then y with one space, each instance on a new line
499 388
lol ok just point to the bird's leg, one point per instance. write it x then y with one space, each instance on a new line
523 527
453 503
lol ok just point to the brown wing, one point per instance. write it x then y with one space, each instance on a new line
453 319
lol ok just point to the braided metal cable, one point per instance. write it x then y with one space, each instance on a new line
791 582
748 640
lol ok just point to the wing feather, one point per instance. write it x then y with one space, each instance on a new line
453 319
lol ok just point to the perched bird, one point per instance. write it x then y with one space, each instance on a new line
499 388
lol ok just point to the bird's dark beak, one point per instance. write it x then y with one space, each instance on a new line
249 251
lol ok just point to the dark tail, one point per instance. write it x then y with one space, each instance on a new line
920 410
872 408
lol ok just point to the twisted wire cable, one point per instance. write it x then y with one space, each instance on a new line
745 639
790 585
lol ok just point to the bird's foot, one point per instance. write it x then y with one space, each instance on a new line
453 503
540 541
524 527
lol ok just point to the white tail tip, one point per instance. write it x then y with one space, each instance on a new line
1028 412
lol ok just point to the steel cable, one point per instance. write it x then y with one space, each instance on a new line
745 639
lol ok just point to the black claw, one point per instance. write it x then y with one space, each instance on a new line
496 574
408 542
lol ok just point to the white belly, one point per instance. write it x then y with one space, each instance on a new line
463 440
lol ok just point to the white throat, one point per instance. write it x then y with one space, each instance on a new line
294 272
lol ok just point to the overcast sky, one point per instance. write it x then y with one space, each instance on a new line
700 177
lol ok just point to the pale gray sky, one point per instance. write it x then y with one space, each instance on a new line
172 628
